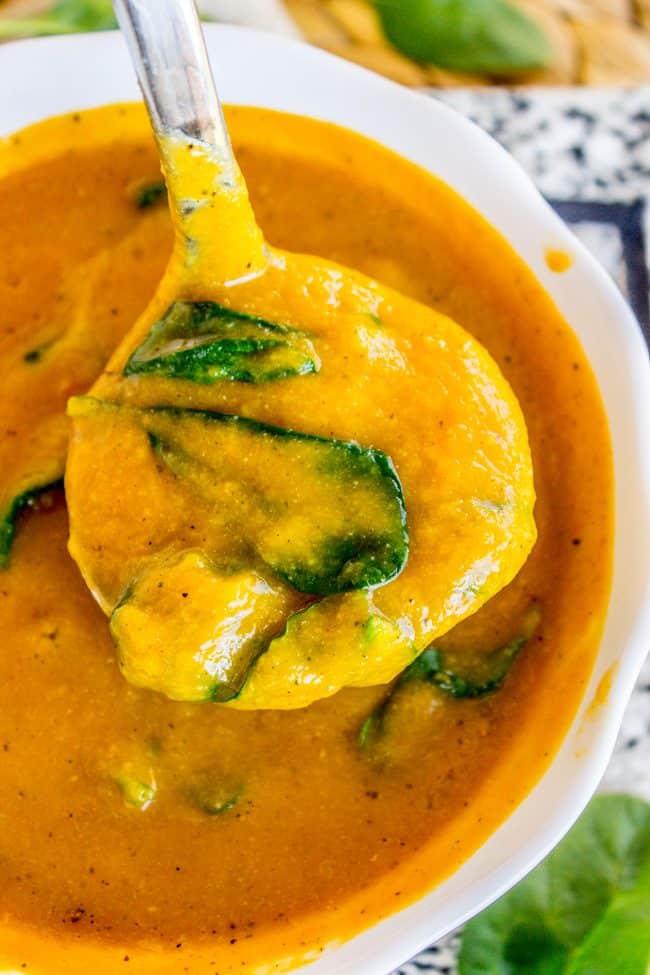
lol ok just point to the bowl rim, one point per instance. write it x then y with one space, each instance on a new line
409 122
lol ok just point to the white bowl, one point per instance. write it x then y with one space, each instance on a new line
47 77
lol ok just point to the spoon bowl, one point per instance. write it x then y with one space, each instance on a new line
333 580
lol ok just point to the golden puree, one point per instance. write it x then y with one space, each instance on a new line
144 826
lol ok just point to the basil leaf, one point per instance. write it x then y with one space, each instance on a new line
584 911
86 15
488 36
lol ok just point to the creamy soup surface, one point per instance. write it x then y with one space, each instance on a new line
171 836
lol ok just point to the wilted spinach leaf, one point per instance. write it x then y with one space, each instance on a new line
148 194
203 342
484 675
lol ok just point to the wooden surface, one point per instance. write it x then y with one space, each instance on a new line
595 42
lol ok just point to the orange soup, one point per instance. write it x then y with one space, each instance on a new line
158 836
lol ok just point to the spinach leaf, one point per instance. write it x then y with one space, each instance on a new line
584 911
620 942
327 516
148 194
65 17
490 36
204 342
27 497
213 796
357 539
265 514
330 644
484 676
191 631
431 668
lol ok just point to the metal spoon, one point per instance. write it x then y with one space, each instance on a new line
168 51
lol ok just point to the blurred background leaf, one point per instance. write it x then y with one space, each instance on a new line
584 911
468 35
487 36
63 17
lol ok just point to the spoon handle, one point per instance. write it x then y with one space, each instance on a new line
171 62
213 218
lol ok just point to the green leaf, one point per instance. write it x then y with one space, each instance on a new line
204 342
431 668
584 911
489 36
148 194
620 943
65 17
481 673
27 497
482 676
359 538
343 550
86 15
214 796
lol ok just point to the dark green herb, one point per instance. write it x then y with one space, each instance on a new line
489 36
488 674
214 798
27 498
353 553
205 343
36 355
431 668
303 653
65 17
149 194
326 516
584 911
